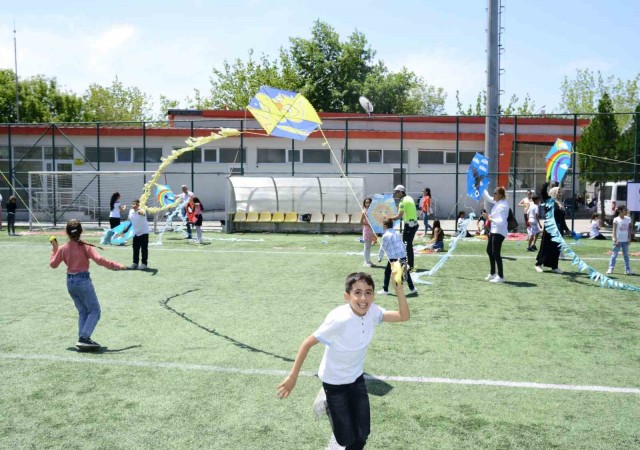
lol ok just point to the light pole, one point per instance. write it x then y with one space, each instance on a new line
15 58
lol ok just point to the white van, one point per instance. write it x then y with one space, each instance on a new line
615 194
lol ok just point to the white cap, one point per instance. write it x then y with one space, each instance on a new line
400 188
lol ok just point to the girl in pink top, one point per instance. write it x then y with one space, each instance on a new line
76 255
368 236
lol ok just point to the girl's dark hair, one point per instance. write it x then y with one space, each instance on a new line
436 224
114 198
427 191
365 201
460 213
74 230
387 223
594 216
352 278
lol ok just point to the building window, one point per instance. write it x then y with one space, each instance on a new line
232 155
393 157
107 154
123 154
430 157
20 153
296 155
210 155
354 156
312 156
375 156
61 152
186 157
465 157
271 155
152 155
4 152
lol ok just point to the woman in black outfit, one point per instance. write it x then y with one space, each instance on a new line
549 252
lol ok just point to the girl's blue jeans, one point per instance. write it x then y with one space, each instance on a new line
84 297
625 254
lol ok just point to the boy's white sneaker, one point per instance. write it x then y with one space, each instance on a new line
538 269
142 267
414 291
609 271
489 277
497 279
382 292
628 272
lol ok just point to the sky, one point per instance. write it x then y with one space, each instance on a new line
170 47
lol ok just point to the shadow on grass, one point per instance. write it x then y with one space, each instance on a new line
104 349
165 304
377 387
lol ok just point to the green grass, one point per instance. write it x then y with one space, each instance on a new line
248 305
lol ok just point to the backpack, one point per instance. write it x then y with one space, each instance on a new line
512 223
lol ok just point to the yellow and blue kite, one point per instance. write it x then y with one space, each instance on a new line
284 113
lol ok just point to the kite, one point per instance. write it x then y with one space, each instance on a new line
551 227
284 113
118 235
165 195
477 174
381 205
558 160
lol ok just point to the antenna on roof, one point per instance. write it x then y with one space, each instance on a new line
366 104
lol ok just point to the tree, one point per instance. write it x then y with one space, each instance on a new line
629 144
581 95
598 150
402 93
236 83
330 73
40 99
116 103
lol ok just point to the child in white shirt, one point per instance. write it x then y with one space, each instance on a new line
621 238
140 225
346 333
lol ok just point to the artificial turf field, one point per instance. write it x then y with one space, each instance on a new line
194 348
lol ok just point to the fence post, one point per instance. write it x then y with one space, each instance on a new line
573 165
457 163
53 160
98 157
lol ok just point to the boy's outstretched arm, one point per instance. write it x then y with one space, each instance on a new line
285 388
402 314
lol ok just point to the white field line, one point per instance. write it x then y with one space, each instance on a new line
343 253
280 373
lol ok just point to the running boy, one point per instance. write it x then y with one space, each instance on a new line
346 333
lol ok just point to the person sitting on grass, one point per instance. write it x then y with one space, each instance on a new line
459 225
346 333
436 243
594 232
76 255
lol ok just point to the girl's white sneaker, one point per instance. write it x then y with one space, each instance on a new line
496 279
490 277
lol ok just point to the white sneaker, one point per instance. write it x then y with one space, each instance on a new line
382 292
414 291
609 271
496 279
133 266
628 272
557 270
142 267
538 269
489 277
367 264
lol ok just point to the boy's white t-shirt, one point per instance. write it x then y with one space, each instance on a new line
533 210
622 228
139 223
346 337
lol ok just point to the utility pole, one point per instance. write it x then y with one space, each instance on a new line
15 59
493 91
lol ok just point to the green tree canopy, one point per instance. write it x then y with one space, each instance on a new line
582 94
116 103
41 100
330 73
527 107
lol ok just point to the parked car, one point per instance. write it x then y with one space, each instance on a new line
615 194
